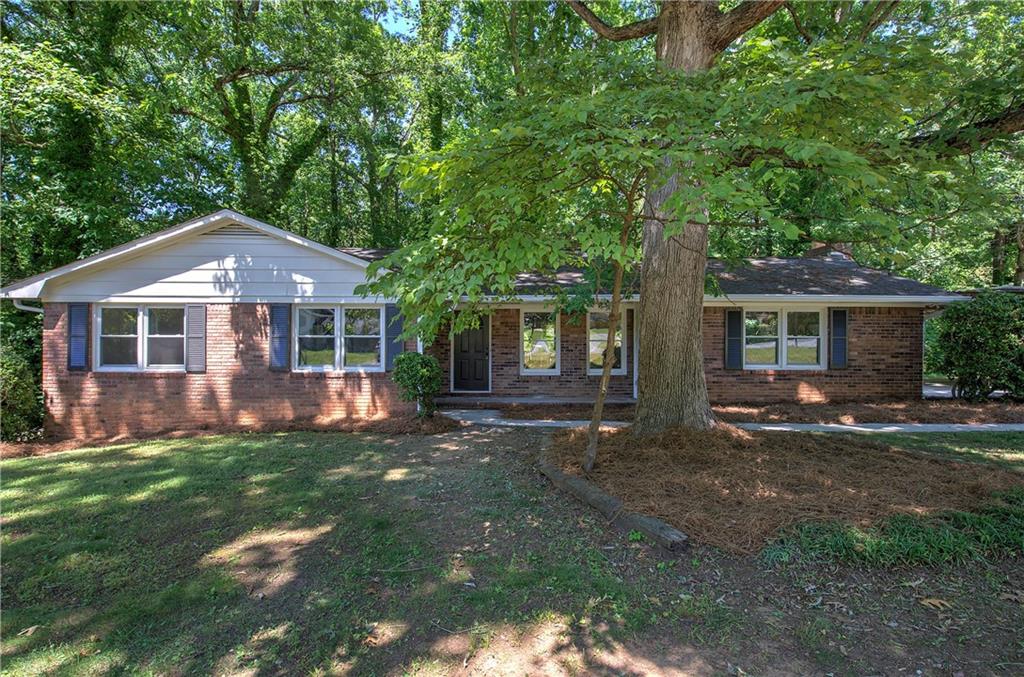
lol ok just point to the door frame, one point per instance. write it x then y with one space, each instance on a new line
451 362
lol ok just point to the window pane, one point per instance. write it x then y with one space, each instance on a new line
166 321
762 323
316 352
119 321
165 351
362 352
539 341
362 322
762 351
803 324
803 351
597 354
119 351
316 322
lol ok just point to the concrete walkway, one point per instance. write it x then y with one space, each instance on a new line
494 417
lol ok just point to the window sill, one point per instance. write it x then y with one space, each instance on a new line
621 372
540 372
775 368
137 370
337 372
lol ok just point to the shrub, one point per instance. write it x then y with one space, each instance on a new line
419 380
980 345
21 411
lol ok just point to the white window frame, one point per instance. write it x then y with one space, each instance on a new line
141 334
621 369
523 369
339 338
783 338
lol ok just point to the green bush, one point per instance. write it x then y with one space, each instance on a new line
419 380
980 345
21 411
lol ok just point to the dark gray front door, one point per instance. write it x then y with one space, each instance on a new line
471 358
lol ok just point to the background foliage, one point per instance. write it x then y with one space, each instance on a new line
980 345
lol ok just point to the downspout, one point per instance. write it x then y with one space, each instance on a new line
21 306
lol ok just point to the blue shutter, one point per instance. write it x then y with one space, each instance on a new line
195 338
734 339
837 356
78 336
395 345
280 335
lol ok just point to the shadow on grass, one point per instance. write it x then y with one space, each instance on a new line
303 552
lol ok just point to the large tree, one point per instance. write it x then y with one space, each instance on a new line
691 36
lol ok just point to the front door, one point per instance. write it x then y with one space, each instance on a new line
471 359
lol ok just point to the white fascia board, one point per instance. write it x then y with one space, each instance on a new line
32 287
740 299
142 300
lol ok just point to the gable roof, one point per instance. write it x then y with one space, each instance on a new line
809 278
32 287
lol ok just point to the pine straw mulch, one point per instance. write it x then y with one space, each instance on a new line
924 411
395 425
736 490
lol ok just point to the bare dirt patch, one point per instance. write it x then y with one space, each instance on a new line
736 489
396 425
925 411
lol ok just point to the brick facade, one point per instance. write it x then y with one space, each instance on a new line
885 352
573 380
884 363
237 389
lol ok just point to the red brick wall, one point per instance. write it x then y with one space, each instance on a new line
238 388
572 382
884 362
885 351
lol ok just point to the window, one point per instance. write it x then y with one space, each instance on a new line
165 337
316 337
761 346
597 340
119 337
540 352
334 337
362 337
803 338
133 338
781 338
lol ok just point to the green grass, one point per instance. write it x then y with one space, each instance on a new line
950 538
173 556
1004 449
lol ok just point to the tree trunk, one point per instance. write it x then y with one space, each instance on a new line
672 388
997 247
593 434
1018 273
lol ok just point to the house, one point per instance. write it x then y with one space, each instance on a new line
225 320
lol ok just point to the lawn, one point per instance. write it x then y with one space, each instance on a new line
332 552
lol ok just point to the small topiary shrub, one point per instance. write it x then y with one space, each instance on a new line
21 411
980 345
419 380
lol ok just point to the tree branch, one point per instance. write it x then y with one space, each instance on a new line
969 138
637 29
742 18
808 38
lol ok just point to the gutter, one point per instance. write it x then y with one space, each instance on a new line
20 305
